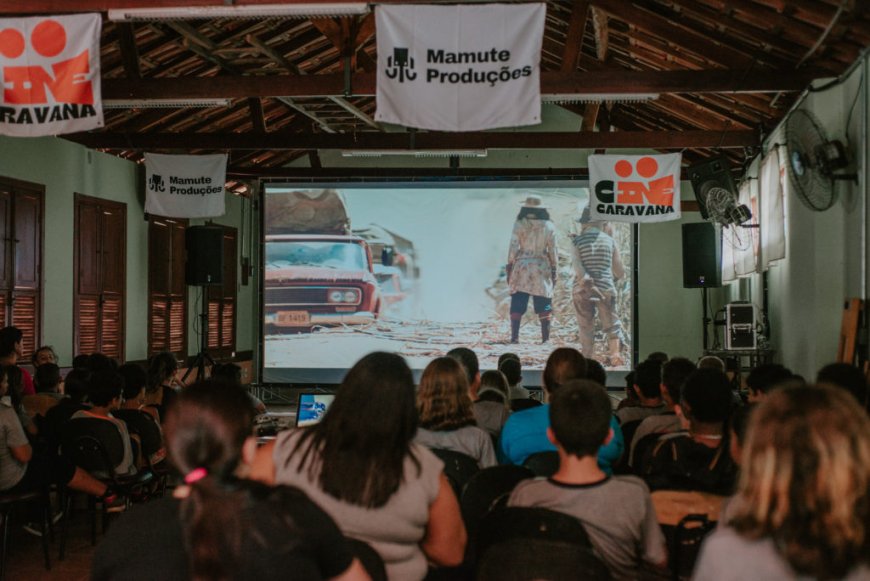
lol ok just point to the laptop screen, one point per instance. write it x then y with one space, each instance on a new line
311 407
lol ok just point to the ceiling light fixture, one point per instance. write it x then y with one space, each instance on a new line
599 98
164 103
414 152
302 10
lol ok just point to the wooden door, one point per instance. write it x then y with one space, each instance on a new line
167 291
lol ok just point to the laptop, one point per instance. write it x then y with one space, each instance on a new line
311 406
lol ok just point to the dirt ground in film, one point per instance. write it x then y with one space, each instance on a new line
419 342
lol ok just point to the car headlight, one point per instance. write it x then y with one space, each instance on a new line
336 296
351 296
343 295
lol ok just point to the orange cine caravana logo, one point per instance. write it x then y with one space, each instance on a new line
636 192
26 87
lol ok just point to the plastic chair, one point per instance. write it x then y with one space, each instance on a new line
686 517
533 559
520 522
543 463
8 502
369 558
145 426
96 446
458 468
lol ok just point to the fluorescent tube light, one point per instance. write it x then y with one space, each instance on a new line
164 103
303 10
414 152
599 97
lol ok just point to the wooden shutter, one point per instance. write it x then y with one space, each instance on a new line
100 265
222 302
167 292
21 236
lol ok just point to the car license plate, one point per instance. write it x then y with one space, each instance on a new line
294 318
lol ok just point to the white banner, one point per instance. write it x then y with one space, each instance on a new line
185 186
50 66
635 188
772 211
459 67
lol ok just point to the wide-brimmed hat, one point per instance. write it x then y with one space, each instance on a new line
533 201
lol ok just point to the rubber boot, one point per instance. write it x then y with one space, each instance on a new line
615 356
515 329
545 330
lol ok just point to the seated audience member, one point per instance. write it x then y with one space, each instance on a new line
150 435
513 372
674 374
734 373
232 373
48 380
43 354
764 378
630 398
616 511
595 372
23 470
98 362
11 349
217 525
697 459
162 386
361 465
711 362
659 356
802 508
15 378
492 408
446 414
105 394
75 386
80 362
525 432
846 377
647 386
468 359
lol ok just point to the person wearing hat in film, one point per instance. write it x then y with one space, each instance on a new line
531 265
596 265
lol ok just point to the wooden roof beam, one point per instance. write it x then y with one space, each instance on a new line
420 140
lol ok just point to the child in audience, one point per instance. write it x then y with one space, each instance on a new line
764 378
162 384
233 374
11 350
617 511
647 387
43 354
48 380
105 393
75 386
802 509
130 412
512 367
446 415
216 525
492 408
361 465
595 372
846 377
468 359
697 459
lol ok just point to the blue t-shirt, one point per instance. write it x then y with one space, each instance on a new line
525 433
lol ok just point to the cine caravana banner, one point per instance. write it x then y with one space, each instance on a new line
185 186
635 188
459 67
50 67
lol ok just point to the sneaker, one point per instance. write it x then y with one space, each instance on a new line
114 502
33 528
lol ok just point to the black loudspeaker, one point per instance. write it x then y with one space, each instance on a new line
205 255
708 175
702 256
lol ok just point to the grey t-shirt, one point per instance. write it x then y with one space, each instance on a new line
639 412
395 529
11 436
617 513
470 440
725 556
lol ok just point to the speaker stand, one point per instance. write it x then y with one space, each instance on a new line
202 358
705 320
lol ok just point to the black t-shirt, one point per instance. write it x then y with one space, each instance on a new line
284 535
680 463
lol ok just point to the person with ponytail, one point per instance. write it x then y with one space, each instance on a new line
218 525
361 464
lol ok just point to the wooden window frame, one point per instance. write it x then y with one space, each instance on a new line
174 270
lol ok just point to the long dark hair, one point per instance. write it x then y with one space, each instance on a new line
361 444
205 432
16 384
534 214
161 367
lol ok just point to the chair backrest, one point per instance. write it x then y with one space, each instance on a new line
458 468
686 518
369 558
93 444
628 430
543 463
533 559
643 451
521 522
520 404
145 426
485 491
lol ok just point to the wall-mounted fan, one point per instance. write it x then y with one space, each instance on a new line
813 160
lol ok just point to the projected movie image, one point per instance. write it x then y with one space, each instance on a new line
421 270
